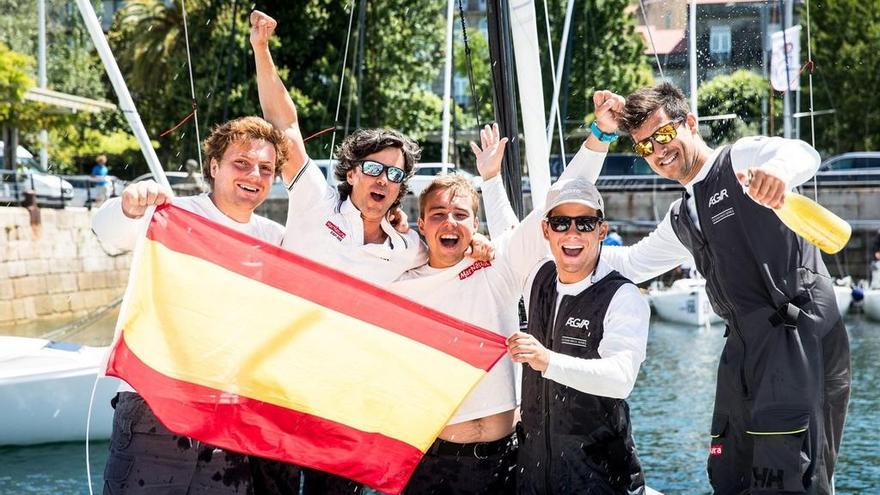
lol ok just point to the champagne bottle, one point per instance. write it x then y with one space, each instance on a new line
814 222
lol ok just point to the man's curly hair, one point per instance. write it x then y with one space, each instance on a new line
243 129
364 142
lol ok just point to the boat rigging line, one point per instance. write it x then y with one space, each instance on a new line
555 104
342 79
192 87
470 66
651 38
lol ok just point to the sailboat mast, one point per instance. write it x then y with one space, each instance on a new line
504 97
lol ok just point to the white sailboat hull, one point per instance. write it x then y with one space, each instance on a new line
45 391
871 304
843 295
685 302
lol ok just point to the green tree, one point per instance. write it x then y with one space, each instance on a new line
72 66
845 35
739 93
606 53
479 47
15 80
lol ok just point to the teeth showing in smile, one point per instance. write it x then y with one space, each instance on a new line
570 250
669 158
248 188
448 240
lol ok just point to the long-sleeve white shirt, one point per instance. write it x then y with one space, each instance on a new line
623 344
120 232
793 160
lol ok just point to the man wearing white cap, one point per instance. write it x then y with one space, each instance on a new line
587 333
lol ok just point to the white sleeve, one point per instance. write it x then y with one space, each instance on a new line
500 216
621 351
586 163
521 249
309 189
791 159
113 228
654 255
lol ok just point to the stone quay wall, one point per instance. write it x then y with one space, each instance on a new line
54 267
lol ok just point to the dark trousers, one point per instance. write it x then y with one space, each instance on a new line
147 458
484 468
780 407
320 483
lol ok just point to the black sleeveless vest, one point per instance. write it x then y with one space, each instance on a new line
750 259
572 436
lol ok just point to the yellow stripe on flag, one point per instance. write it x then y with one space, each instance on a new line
291 352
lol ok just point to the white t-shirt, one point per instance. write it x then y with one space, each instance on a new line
120 232
486 294
326 229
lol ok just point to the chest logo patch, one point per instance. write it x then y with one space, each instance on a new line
335 231
717 197
478 265
581 323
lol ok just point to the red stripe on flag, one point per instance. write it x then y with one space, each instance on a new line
194 235
259 428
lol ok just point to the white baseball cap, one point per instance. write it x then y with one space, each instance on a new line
575 190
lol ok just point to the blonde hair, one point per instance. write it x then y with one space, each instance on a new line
458 183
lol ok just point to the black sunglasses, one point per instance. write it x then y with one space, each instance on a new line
375 169
561 223
664 135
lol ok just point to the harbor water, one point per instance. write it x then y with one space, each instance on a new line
671 409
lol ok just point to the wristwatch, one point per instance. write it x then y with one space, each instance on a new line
605 137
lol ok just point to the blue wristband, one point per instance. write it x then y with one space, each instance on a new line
605 137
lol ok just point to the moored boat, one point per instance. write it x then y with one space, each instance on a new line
871 304
45 388
684 302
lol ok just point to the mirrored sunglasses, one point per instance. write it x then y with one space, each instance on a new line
561 223
375 169
663 135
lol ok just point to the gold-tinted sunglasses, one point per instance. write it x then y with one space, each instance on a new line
663 135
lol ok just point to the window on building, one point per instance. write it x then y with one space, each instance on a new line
719 42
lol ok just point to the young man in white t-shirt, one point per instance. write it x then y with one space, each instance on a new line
243 157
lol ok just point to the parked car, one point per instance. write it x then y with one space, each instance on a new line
615 164
859 160
88 192
855 168
50 190
425 173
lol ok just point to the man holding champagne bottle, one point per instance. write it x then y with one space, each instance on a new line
784 375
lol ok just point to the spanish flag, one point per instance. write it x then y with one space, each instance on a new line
248 347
